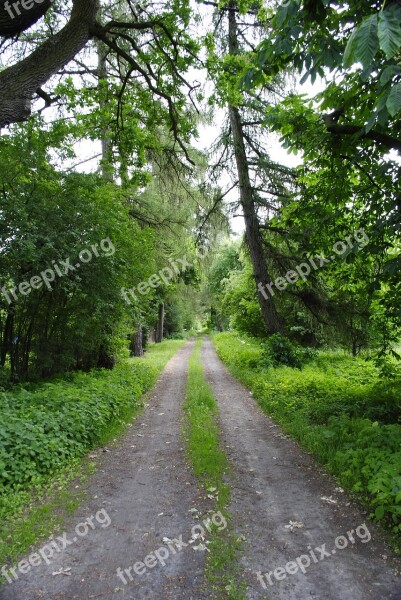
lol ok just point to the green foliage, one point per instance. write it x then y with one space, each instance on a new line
347 178
389 29
340 409
363 43
232 289
376 31
45 427
49 217
358 34
279 350
393 102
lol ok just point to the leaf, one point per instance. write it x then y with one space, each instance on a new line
248 79
388 73
393 103
304 77
389 30
371 122
379 512
363 43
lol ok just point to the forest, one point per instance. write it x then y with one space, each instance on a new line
200 214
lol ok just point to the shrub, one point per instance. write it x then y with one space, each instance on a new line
46 426
279 350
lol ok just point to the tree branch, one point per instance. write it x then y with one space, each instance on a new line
20 82
101 35
381 138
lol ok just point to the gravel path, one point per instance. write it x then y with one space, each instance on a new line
275 482
147 490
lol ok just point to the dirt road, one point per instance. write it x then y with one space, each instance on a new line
146 489
275 482
140 500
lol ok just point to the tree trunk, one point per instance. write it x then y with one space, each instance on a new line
19 83
160 324
137 342
252 232
7 338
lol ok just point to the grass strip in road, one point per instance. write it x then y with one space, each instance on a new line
85 411
210 466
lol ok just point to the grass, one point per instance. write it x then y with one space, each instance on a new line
340 409
41 512
210 466
32 509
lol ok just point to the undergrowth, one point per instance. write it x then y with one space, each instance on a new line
339 408
47 430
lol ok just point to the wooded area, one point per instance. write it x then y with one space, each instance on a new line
119 222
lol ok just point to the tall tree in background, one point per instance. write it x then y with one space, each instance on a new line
247 196
262 184
348 136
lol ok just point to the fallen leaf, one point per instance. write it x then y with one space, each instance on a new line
328 499
201 548
62 571
294 525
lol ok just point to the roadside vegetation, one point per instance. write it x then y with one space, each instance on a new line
210 465
46 431
336 405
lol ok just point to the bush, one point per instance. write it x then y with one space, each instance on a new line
279 350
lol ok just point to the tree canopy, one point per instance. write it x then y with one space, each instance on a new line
135 84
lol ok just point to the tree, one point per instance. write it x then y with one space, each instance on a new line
261 183
68 247
347 181
159 62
